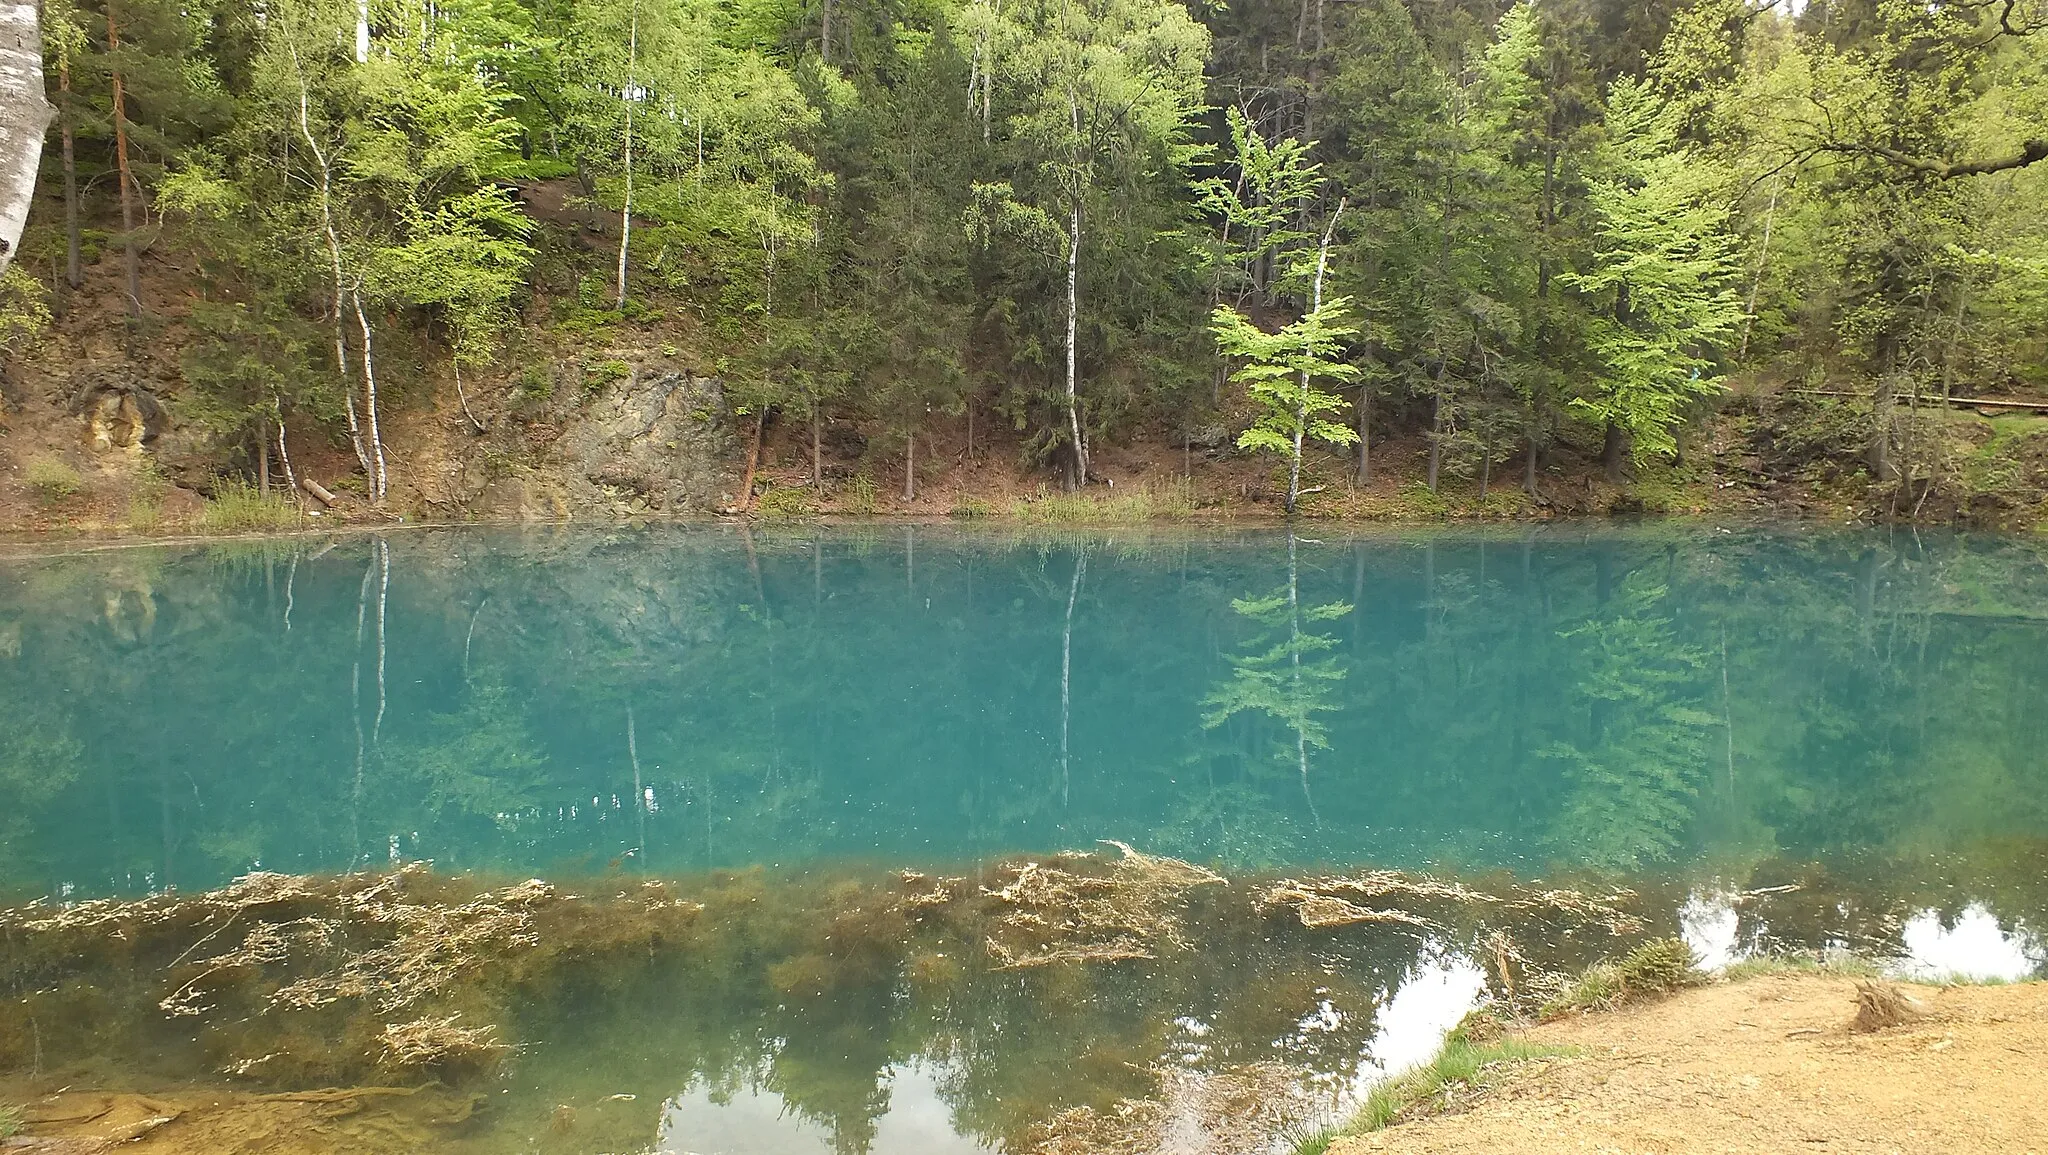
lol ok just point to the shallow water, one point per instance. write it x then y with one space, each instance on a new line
1705 715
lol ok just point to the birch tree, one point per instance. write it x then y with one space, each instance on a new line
1097 85
24 116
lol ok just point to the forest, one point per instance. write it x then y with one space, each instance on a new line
1566 227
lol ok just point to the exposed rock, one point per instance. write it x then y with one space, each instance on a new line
649 444
121 412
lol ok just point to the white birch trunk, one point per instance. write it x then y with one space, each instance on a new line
24 117
626 211
1073 313
1301 407
379 481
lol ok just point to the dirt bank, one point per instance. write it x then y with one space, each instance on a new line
1767 1065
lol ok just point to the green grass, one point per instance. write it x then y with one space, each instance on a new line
861 495
1169 501
1841 964
238 508
1655 967
1462 1065
52 480
11 1123
1838 963
786 504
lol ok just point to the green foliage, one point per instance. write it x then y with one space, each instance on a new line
601 375
24 310
1662 281
238 507
786 504
51 479
1136 506
1560 222
11 1123
1656 967
860 496
1283 373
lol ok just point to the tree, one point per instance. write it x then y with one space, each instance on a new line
1283 371
1662 277
24 116
1098 84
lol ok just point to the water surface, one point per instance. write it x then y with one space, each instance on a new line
1780 739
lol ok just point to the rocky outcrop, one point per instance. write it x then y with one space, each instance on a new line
648 444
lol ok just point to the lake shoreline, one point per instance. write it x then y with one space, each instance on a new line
1760 1063
31 542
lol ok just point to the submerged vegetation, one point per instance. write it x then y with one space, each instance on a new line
387 979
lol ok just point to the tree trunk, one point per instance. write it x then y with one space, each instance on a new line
1529 467
1884 416
1080 465
825 40
131 260
262 457
326 190
817 448
1365 431
1301 407
74 270
753 462
379 479
461 395
626 211
284 456
24 118
1436 429
910 466
1611 452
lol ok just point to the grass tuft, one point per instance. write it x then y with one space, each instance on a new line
1462 1068
1655 967
237 507
1838 963
11 1122
786 504
52 480
1170 501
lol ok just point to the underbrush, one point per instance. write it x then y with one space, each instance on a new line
786 504
11 1123
1656 967
1169 501
237 507
52 480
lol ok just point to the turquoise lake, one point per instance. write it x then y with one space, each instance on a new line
1771 738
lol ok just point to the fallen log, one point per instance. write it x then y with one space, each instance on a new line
318 490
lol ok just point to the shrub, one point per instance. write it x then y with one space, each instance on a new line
972 508
786 503
52 479
598 375
1655 967
238 508
861 495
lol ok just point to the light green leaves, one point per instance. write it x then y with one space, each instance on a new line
1662 277
1284 371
